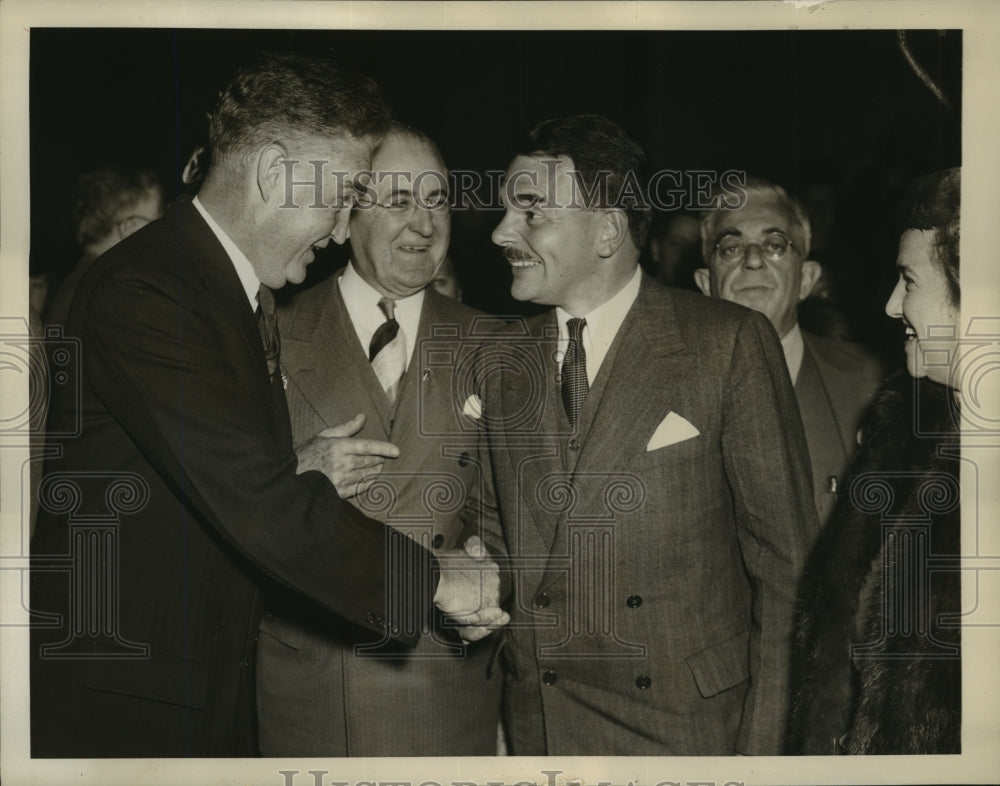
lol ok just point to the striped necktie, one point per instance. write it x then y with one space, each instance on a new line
574 371
267 324
387 351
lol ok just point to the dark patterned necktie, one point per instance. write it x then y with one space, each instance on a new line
267 324
387 350
574 371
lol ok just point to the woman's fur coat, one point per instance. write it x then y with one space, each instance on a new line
876 664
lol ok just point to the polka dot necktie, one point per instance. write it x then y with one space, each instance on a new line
574 371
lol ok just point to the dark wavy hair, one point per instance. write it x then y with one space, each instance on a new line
292 97
610 168
933 202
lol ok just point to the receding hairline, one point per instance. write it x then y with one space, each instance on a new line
759 192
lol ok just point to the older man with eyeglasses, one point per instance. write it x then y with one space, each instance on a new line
757 255
358 360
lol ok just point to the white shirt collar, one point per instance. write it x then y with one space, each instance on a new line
602 325
361 300
244 270
794 347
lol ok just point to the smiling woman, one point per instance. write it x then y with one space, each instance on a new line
926 296
877 664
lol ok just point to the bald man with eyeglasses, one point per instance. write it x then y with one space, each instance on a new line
757 254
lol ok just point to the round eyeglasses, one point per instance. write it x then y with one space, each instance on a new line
407 204
734 249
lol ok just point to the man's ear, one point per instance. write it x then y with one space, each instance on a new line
811 271
703 278
271 171
614 232
342 226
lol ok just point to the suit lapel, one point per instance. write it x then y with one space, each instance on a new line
327 355
646 364
819 419
420 385
215 269
648 360
535 441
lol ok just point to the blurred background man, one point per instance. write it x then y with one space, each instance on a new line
108 205
757 255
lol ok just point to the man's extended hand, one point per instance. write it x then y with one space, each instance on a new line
352 465
469 590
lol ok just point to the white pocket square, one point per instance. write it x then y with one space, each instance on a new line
473 407
673 428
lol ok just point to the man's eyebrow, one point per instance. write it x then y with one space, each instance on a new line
728 232
532 196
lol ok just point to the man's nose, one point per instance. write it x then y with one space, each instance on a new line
894 305
754 257
421 221
503 235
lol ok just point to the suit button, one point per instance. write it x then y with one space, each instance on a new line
634 601
642 682
549 678
438 541
463 460
574 444
542 600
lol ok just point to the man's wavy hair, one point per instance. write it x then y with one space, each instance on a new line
933 202
603 156
291 98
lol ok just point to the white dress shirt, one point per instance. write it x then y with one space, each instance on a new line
361 300
602 326
794 347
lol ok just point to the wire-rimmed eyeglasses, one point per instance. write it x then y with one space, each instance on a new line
734 249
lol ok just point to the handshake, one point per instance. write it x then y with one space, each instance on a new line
468 591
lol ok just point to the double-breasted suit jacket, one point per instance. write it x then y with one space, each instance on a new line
317 693
653 551
176 504
836 384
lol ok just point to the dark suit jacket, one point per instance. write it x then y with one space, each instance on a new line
652 588
836 383
317 696
185 471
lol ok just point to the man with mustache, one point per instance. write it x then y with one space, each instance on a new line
651 494
757 254
326 691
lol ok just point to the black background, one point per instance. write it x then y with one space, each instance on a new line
797 107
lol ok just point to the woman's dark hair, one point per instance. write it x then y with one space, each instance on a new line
933 203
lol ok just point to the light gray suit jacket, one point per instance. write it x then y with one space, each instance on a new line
652 579
836 383
317 694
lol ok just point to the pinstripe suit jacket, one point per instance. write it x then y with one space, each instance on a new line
184 458
651 589
317 694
